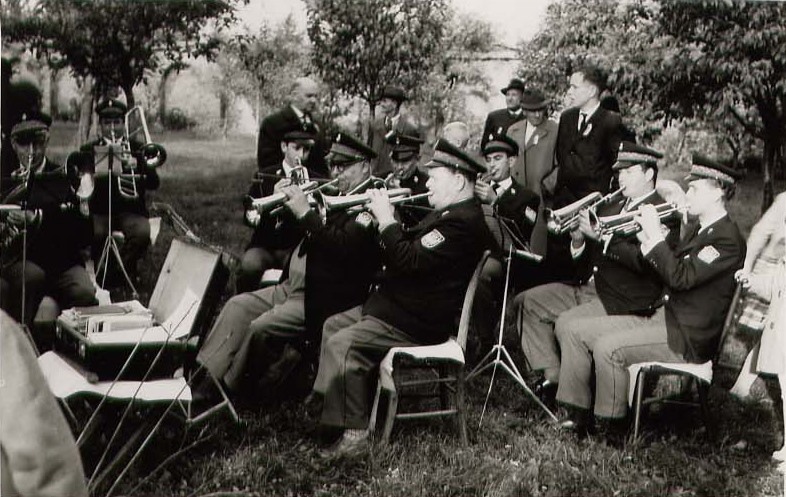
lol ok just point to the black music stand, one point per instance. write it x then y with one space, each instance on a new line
498 356
110 245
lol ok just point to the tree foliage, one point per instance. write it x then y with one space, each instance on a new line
720 62
119 42
359 46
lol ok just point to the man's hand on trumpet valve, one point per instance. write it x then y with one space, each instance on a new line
380 206
652 230
281 184
585 226
297 202
17 217
485 192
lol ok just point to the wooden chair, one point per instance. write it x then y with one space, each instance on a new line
699 375
444 361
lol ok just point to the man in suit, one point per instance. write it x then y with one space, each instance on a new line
404 158
390 119
433 264
301 110
498 121
536 137
259 336
587 140
698 279
58 235
614 282
275 234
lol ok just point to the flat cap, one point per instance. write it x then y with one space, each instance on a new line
631 154
111 107
703 167
403 146
448 155
31 123
501 143
348 149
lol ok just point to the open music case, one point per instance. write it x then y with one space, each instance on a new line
102 338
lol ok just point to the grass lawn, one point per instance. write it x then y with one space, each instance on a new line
516 451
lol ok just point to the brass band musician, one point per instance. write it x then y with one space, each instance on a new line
57 235
404 158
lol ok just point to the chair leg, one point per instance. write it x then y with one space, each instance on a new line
703 390
390 415
640 382
372 421
461 408
444 388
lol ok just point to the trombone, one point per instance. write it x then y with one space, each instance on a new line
151 154
562 220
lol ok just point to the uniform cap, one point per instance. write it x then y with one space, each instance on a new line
111 107
631 154
300 133
448 155
348 149
403 147
705 168
31 123
501 143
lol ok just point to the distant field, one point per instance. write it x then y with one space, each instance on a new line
516 452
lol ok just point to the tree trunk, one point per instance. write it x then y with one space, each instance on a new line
162 94
85 112
768 190
128 89
54 93
372 107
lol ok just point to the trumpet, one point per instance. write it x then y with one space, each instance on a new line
562 220
270 202
330 203
625 224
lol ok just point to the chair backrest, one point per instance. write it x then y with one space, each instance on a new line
469 299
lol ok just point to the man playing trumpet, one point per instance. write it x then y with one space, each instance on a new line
426 271
616 283
404 158
698 279
275 232
260 336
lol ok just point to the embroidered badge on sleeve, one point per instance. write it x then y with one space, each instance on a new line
432 239
708 254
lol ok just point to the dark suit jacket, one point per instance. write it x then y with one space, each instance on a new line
380 166
278 232
269 143
585 158
517 210
497 122
625 282
699 279
427 269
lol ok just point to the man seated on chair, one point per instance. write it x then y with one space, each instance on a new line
275 234
698 279
128 208
404 158
260 336
426 271
510 211
58 235
615 283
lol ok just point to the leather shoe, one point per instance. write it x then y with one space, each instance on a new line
546 391
352 443
577 421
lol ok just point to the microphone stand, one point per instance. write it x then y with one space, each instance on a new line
23 205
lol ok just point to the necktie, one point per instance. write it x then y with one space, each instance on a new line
583 121
388 123
306 119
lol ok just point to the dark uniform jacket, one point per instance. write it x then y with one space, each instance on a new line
99 202
625 282
56 243
274 232
272 131
497 123
699 280
342 258
517 210
585 157
426 271
411 213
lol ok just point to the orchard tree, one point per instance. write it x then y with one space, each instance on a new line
359 46
118 43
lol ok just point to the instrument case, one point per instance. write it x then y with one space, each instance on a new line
181 309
